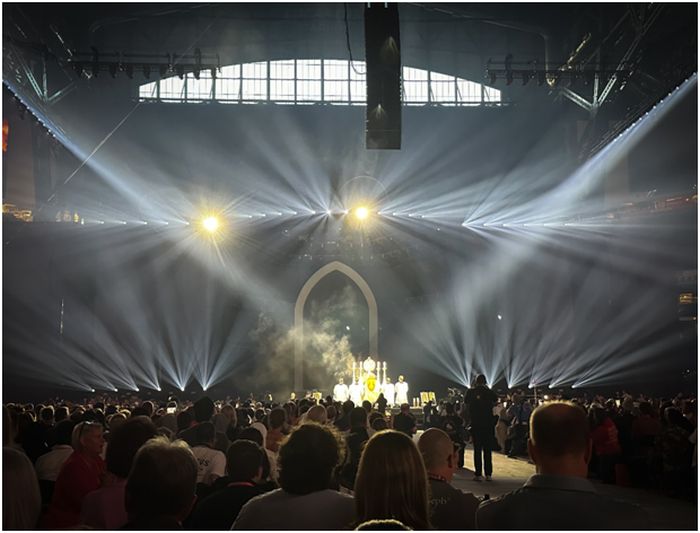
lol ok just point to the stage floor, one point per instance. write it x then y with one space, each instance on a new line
509 474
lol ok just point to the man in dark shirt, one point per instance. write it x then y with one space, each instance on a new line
480 401
405 422
450 508
219 511
558 496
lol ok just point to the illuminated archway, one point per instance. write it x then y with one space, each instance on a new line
299 314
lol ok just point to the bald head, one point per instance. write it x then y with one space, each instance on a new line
559 428
436 447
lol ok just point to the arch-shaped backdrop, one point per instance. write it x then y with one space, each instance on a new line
299 314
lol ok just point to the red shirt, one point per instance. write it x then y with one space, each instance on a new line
80 475
605 439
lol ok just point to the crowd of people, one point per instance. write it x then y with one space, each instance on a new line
123 463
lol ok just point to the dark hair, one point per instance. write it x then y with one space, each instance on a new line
63 432
358 418
559 428
348 405
243 460
205 433
251 433
277 417
47 414
481 379
308 457
162 480
367 405
184 419
125 441
61 413
203 409
140 411
380 424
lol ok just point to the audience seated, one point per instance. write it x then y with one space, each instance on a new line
81 474
405 422
558 496
104 508
356 440
275 432
212 462
203 412
392 482
160 490
450 508
49 465
307 461
21 499
244 464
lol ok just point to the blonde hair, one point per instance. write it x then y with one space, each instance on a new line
79 431
392 482
21 499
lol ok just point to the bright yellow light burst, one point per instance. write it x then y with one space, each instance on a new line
211 224
361 213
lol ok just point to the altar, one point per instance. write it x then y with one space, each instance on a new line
369 379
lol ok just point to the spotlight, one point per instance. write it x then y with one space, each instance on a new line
499 317
182 389
92 390
361 213
210 224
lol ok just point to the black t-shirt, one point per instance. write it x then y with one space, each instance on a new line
220 510
481 400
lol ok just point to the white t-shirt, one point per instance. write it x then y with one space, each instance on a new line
212 464
49 465
341 392
401 389
388 390
356 394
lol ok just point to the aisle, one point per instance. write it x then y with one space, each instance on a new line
510 474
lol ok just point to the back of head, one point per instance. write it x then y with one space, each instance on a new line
348 405
277 418
203 409
435 447
405 408
358 418
61 413
21 499
367 405
205 433
480 380
244 458
560 428
317 414
252 434
47 414
380 424
63 432
162 480
382 525
308 457
184 419
125 441
645 408
392 467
